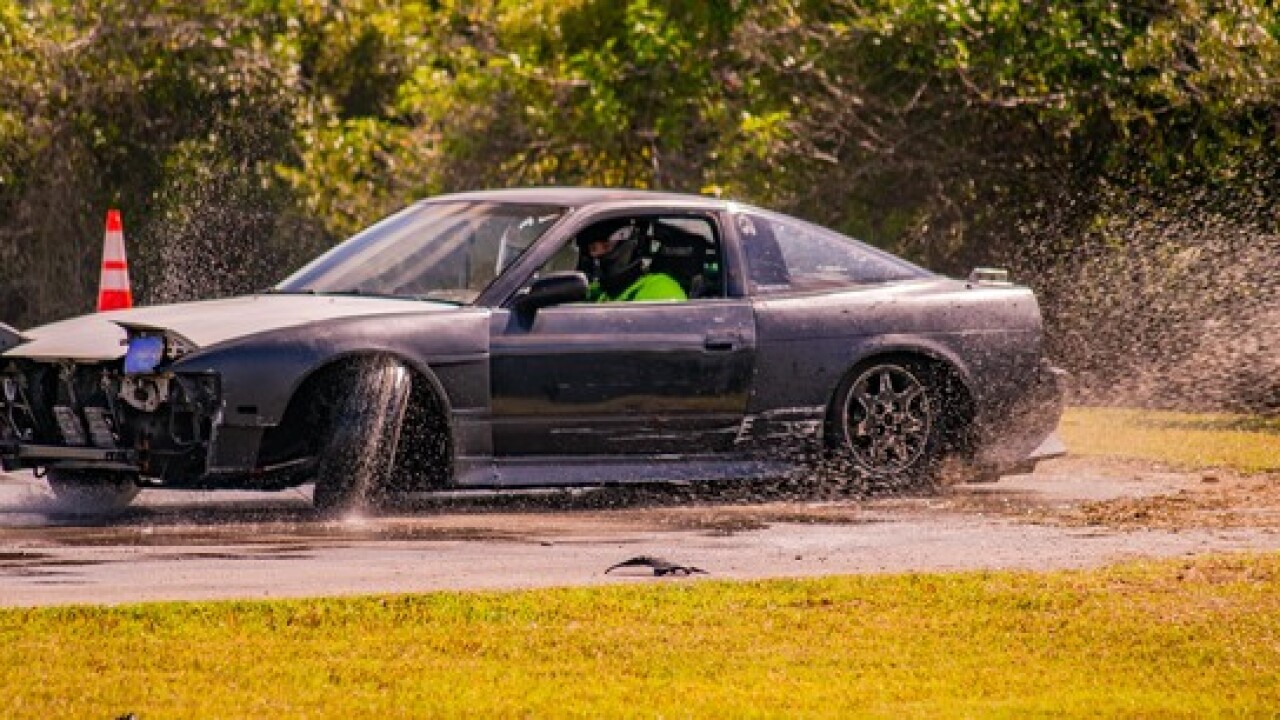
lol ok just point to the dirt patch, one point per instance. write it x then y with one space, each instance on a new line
1125 495
1221 502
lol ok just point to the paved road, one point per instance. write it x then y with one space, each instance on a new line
188 546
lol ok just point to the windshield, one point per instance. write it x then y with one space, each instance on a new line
447 251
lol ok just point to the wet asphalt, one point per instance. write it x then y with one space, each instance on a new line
236 545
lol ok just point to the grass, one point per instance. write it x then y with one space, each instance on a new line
1185 440
1193 639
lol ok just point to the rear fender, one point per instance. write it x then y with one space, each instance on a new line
884 345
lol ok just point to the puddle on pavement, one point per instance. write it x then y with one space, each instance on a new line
208 519
286 523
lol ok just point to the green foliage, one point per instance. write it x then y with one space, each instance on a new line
933 127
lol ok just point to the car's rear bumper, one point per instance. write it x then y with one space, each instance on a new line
1052 447
1024 432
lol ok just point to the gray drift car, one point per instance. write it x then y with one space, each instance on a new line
452 345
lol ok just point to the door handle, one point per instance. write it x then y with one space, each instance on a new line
720 342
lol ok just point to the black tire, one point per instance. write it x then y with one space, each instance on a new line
357 459
81 492
887 424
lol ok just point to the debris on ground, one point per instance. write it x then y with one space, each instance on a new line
660 566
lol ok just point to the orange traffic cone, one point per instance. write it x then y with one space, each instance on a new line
113 290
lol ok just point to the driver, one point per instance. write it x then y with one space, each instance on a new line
609 253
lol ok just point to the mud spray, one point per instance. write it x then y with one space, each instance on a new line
223 224
1166 299
376 404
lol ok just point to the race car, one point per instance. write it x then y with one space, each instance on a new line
462 343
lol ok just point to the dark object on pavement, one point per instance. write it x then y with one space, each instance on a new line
450 347
660 567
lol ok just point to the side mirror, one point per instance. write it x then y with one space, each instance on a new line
552 289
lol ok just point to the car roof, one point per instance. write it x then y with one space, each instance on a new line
582 196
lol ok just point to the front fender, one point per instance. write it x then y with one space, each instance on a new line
260 373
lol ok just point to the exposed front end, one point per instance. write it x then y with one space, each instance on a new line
114 415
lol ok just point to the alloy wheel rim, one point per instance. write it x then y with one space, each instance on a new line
888 418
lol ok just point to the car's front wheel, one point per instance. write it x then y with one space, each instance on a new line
887 422
357 458
92 493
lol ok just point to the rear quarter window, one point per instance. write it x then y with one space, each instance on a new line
788 255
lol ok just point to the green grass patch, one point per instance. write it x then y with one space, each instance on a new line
1193 639
1189 440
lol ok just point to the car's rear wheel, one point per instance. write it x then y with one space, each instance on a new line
357 459
887 423
92 492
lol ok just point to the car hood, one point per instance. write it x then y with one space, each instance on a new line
101 337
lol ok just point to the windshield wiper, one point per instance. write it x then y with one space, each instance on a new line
357 292
278 291
421 297
441 296
433 296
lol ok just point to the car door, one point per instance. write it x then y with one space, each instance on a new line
623 378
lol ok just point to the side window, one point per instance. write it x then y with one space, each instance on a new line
786 255
685 247
566 258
